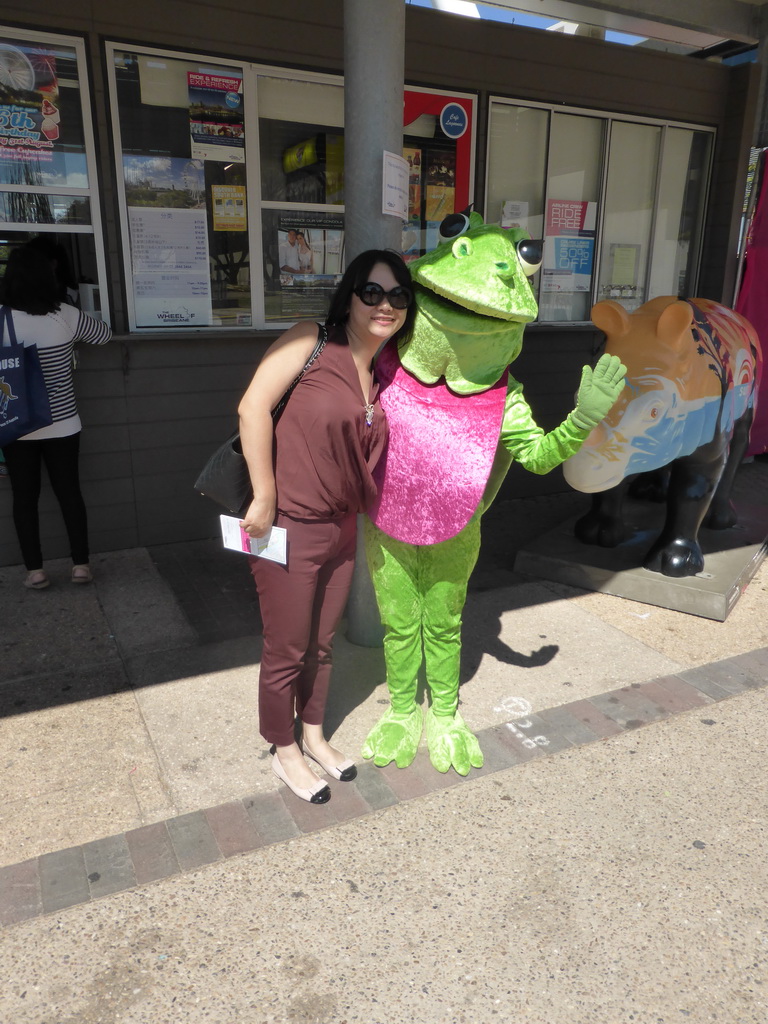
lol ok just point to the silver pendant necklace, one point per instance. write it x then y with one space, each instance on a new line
368 415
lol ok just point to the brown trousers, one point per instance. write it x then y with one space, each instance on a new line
301 606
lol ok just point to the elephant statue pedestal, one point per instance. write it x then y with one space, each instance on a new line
732 556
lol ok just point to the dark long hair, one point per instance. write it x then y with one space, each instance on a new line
30 282
57 256
357 274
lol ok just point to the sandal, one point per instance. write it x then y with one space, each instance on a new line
36 579
81 574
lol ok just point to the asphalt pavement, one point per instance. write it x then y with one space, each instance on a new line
607 865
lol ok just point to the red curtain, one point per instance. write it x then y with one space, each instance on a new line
752 302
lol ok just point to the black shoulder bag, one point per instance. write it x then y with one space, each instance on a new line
225 478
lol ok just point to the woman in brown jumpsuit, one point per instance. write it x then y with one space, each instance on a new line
311 473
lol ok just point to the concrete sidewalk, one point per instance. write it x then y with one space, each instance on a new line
590 872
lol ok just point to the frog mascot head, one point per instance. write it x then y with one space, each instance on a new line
472 301
456 420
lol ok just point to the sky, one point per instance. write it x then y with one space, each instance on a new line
492 13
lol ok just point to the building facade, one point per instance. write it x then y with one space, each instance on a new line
189 159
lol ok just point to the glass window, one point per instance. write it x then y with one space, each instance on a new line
437 143
303 262
43 208
627 193
301 145
629 209
47 160
517 163
680 214
181 139
301 139
573 189
226 167
41 117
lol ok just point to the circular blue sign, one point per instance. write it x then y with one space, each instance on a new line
453 120
232 99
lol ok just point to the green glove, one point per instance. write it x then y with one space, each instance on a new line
451 743
395 737
598 390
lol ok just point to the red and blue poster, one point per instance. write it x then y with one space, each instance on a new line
216 117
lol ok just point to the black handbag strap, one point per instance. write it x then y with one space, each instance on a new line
6 321
322 337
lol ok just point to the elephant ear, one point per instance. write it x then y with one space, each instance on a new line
611 318
674 325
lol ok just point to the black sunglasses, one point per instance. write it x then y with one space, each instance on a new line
372 294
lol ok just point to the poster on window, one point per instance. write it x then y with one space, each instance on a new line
310 248
440 186
571 217
164 181
514 214
413 156
30 118
411 243
216 118
569 246
171 274
567 264
229 210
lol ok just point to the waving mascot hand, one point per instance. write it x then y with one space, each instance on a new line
456 420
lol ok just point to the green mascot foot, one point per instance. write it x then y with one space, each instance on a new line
395 737
451 744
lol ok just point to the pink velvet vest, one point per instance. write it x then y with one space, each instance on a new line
439 457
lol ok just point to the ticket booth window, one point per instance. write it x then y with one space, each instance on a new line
570 222
180 135
685 161
301 146
47 162
618 202
301 150
630 194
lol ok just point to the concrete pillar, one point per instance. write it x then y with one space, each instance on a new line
374 68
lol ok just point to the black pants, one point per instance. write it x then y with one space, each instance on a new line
61 457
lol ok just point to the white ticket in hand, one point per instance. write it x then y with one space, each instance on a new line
272 545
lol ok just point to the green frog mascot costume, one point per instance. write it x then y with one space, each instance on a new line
457 419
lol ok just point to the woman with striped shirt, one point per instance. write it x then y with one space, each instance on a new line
29 289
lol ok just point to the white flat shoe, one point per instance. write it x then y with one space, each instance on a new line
81 574
318 794
36 579
344 772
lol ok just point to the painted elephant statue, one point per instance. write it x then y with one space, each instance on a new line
692 378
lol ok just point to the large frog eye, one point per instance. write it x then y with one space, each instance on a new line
452 226
529 252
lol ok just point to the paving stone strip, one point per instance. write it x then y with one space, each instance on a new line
55 881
